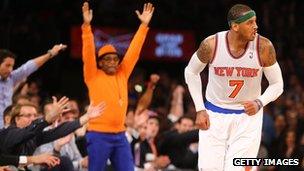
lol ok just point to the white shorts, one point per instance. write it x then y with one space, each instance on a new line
229 136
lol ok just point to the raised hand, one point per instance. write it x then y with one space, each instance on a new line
147 13
154 78
87 13
57 109
95 111
56 49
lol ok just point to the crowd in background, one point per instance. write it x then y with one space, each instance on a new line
30 27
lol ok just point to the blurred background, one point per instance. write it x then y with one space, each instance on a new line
30 27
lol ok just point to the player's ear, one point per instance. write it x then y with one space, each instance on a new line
235 27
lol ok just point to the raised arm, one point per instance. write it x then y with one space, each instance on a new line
31 66
69 127
195 66
18 135
88 46
40 60
134 49
146 98
177 104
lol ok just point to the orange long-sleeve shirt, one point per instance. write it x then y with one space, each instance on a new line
112 89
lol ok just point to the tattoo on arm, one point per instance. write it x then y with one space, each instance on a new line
204 52
271 55
267 51
262 53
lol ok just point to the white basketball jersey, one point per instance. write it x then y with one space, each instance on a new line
233 80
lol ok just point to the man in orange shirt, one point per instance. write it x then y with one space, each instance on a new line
106 79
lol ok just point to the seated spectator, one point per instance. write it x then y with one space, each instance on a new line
9 78
26 132
145 151
66 146
180 144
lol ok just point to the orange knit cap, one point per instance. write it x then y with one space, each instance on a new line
106 49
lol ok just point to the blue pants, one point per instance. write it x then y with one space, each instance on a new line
113 146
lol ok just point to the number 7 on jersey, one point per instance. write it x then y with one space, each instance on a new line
238 86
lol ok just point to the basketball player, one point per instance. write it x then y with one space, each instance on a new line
230 120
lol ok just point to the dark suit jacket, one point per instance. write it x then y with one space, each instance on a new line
9 160
176 146
17 141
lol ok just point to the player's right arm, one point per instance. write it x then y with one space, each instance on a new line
196 65
88 46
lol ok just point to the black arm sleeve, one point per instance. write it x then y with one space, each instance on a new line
187 137
173 138
14 135
58 132
9 160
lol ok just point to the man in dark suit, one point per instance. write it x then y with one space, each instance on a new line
176 144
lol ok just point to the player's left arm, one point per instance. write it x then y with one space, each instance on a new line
272 72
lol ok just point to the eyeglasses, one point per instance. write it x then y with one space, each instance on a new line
108 59
29 115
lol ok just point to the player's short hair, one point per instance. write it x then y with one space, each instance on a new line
236 11
4 53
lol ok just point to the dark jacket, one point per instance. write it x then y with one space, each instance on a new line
176 146
9 160
17 141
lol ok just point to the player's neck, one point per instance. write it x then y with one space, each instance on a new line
236 42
